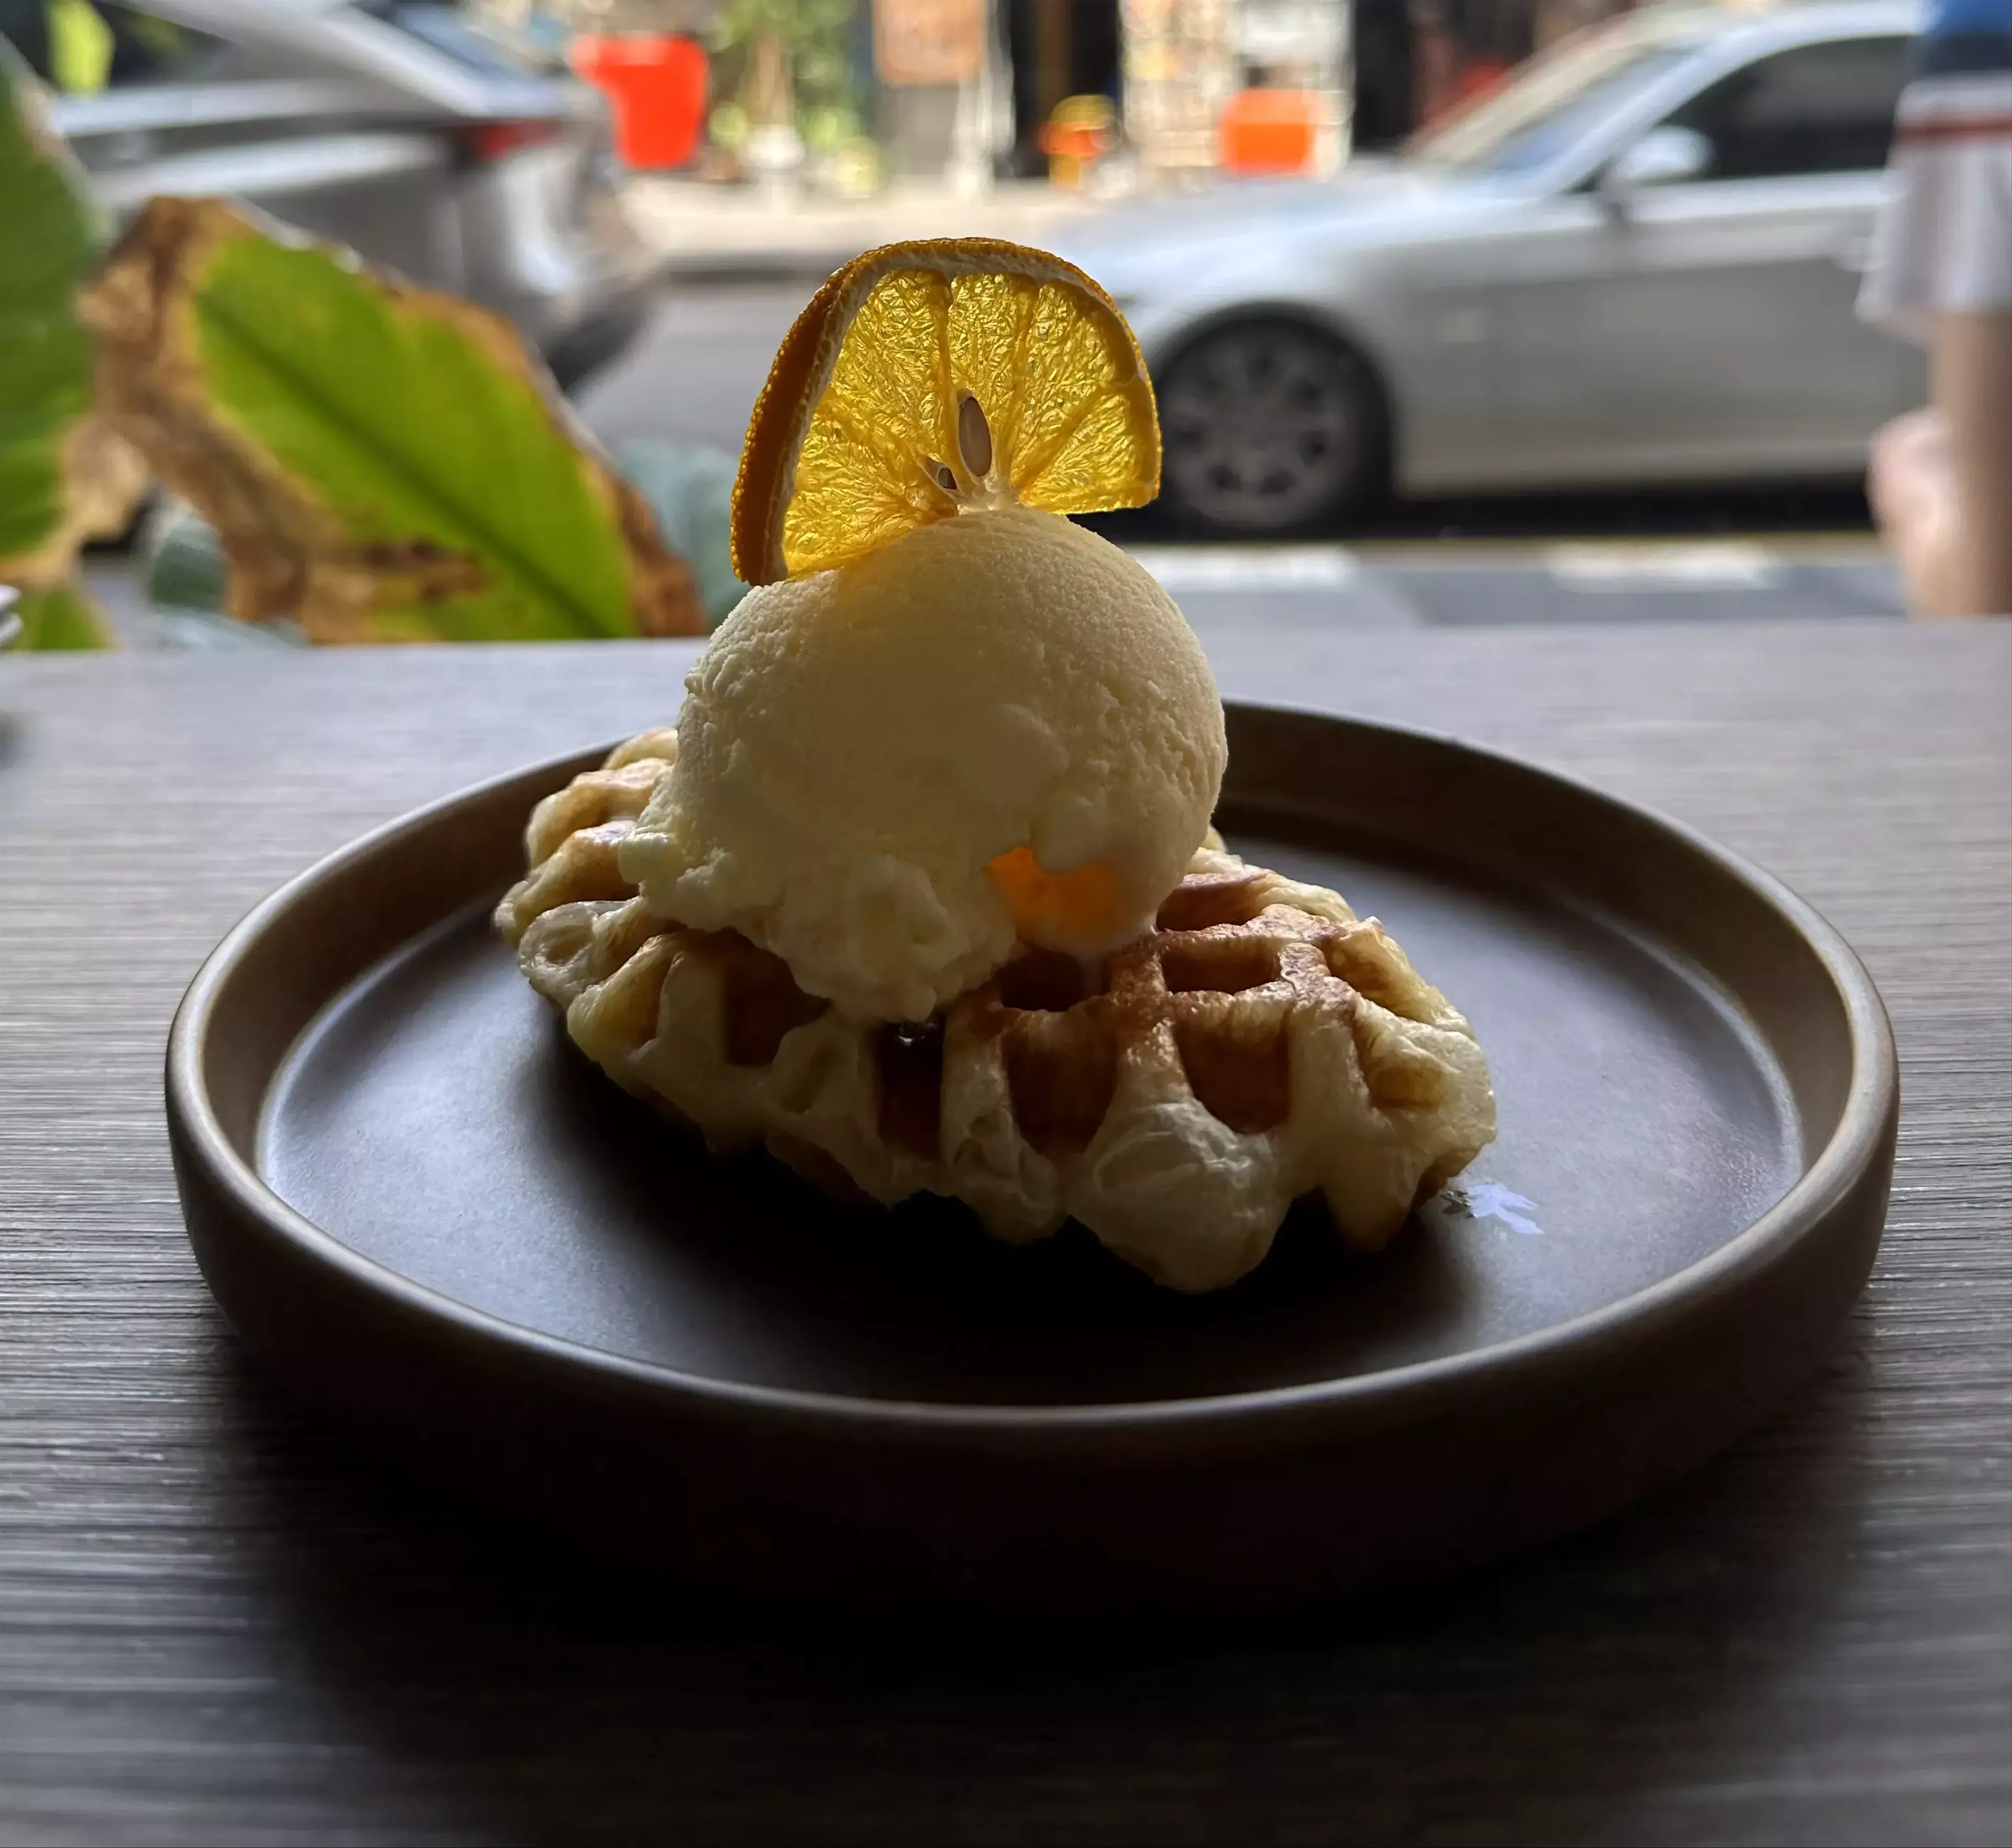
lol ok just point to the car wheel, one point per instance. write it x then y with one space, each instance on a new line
1266 427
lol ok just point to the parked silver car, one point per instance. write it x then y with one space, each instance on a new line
1637 263
467 159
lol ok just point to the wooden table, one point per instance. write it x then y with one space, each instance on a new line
219 1625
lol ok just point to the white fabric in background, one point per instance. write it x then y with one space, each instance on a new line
1944 240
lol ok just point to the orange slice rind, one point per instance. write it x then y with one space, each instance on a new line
930 378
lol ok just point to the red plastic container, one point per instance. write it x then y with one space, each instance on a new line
655 85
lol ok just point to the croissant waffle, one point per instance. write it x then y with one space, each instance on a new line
1262 1043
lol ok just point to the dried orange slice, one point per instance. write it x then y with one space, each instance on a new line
927 378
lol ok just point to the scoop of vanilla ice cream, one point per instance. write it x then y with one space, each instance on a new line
856 748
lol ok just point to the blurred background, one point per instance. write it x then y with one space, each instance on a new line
1459 311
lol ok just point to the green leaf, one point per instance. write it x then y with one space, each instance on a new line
63 476
689 488
62 617
384 463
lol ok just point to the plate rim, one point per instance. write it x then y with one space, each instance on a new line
1870 1104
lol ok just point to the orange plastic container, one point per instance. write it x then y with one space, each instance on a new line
1268 131
655 85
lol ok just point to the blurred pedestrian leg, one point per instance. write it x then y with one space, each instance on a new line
1972 357
1941 273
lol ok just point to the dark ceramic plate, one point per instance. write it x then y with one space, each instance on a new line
416 1200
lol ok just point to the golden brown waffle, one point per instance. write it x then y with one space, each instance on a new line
1263 1043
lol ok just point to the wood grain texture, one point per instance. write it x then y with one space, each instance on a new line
220 1623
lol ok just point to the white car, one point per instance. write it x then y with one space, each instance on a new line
1635 263
464 156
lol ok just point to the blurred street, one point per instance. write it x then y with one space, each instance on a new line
1705 554
1632 258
